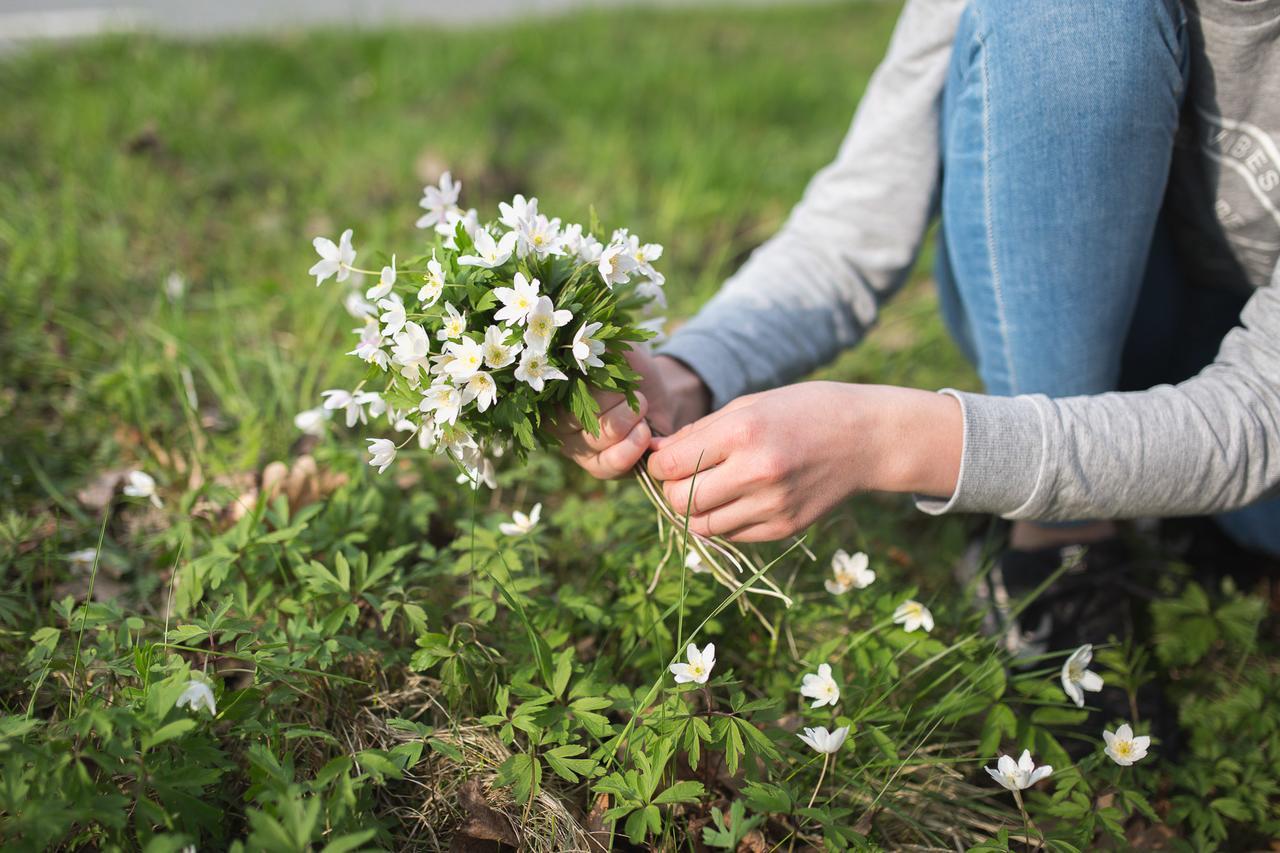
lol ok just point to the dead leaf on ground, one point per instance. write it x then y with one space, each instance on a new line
96 495
485 828
753 842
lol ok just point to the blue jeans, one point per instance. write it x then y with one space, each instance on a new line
1054 276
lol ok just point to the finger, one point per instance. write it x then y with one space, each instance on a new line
622 456
729 518
614 423
732 407
567 423
681 456
769 531
710 489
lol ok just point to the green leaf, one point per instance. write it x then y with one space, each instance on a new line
563 762
523 773
168 732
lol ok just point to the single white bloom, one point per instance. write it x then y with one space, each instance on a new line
481 388
652 291
449 228
479 470
497 352
386 281
539 236
589 250
454 439
1123 748
521 524
197 695
334 259
517 301
439 201
432 282
373 401
693 562
443 400
382 452
140 485
83 559
536 370
393 317
468 357
699 666
411 351
912 615
616 264
849 571
1017 776
357 306
586 349
175 286
489 253
455 324
821 688
1077 677
336 398
544 319
370 347
518 212
311 421
823 741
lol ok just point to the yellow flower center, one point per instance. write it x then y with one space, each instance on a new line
1123 748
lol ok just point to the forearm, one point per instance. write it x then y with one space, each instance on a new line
905 440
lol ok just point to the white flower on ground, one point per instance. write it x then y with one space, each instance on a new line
82 560
849 571
1019 775
616 264
536 370
334 259
544 319
175 286
370 347
197 695
823 741
311 421
517 301
1123 748
912 615
468 357
455 324
386 281
489 253
412 351
139 484
443 400
1077 677
521 524
586 349
497 352
518 212
481 388
439 201
382 452
821 688
432 282
357 306
393 318
539 236
698 667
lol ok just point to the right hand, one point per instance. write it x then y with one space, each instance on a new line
670 396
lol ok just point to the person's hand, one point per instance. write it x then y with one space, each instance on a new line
670 396
768 465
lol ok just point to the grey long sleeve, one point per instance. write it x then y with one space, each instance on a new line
817 285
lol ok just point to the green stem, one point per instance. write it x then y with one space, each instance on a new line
826 760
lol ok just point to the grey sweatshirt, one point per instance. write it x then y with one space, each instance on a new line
1207 445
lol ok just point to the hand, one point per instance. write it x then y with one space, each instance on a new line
769 465
670 396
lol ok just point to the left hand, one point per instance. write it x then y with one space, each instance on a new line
768 465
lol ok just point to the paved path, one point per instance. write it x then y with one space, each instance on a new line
30 20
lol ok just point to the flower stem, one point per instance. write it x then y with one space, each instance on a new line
1027 824
826 759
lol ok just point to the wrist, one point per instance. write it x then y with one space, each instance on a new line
689 396
913 440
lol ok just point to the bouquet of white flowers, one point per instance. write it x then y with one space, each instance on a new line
496 330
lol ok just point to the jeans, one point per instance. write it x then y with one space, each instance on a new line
1054 274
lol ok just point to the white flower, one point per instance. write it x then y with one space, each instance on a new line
352 404
521 524
468 357
357 306
139 484
517 301
449 228
411 351
850 572
497 352
912 615
644 256
382 452
481 388
386 281
536 370
444 400
1077 677
489 254
373 400
455 324
311 422
370 347
1020 775
583 246
821 688
82 560
197 695
518 212
479 470
586 349
1123 748
651 291
544 319
616 264
823 741
175 286
439 201
539 236
333 259
393 318
693 562
699 667
432 282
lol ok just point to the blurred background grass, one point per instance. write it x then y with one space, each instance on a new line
127 160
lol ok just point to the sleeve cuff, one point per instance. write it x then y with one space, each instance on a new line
716 364
1002 458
